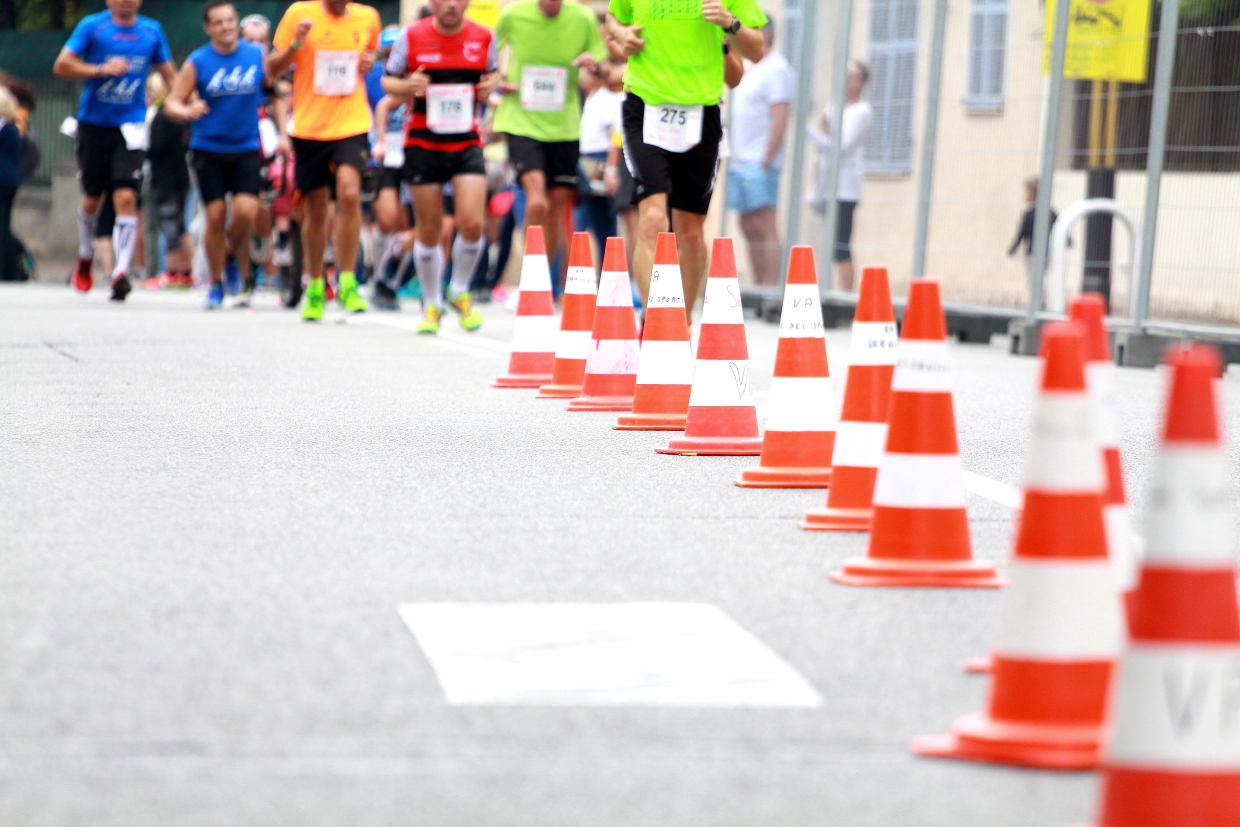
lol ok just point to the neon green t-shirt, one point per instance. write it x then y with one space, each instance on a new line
547 46
682 61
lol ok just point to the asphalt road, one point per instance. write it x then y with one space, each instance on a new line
208 521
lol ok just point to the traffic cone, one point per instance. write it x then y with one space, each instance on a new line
1173 757
800 429
1088 309
576 318
611 364
533 334
862 430
665 368
1062 625
722 419
920 532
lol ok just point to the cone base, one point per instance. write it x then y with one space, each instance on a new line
870 571
837 519
978 666
559 392
766 477
708 446
651 422
974 737
601 403
519 380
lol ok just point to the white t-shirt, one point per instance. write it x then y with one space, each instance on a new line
765 83
857 118
600 117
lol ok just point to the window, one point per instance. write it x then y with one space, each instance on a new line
893 60
987 53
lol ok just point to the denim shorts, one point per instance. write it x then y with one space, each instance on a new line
752 188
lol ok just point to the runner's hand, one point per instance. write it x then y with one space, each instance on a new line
583 60
507 87
714 12
285 148
197 109
611 182
630 39
302 30
367 61
418 81
377 152
114 67
487 85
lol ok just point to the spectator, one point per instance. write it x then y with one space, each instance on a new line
169 142
27 101
759 120
1024 231
601 133
10 179
857 117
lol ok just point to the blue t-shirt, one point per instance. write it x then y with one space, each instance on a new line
374 85
232 87
118 100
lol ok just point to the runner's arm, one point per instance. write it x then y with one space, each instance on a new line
733 68
177 104
280 59
69 65
382 110
750 44
627 38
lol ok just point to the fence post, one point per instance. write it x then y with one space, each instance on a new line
925 174
804 55
1164 68
839 91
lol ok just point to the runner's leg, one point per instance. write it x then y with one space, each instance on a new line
651 220
244 211
471 194
214 242
314 231
428 258
348 216
690 229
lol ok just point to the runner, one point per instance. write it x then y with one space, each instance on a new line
113 51
388 149
333 43
672 127
541 109
219 90
446 64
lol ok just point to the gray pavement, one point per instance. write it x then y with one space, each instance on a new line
209 520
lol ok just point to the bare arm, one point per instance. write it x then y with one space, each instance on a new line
279 114
733 69
750 44
413 86
627 38
69 65
280 59
177 103
382 110
774 140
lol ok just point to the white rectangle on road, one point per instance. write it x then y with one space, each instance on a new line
601 654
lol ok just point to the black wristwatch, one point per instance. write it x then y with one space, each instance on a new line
735 26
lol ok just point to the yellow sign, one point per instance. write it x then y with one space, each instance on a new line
484 12
1107 39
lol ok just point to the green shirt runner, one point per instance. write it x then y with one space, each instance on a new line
682 61
547 106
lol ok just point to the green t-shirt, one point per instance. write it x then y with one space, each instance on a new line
547 43
682 61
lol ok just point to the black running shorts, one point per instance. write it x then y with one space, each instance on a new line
232 173
435 166
688 178
557 160
105 162
317 161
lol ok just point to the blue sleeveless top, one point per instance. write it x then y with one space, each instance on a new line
232 86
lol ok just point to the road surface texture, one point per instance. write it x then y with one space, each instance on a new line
209 521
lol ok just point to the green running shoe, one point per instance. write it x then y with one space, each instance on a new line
471 319
430 319
349 297
315 298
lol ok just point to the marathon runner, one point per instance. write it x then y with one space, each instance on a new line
333 44
447 65
541 109
388 149
672 128
219 90
113 51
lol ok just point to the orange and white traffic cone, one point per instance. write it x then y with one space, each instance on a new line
611 363
1173 756
572 345
1062 625
533 333
920 532
800 429
722 419
1088 309
862 430
665 368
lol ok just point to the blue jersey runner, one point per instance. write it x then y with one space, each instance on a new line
232 87
113 101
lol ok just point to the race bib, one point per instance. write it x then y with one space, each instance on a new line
335 73
543 88
450 108
393 150
135 135
268 138
672 127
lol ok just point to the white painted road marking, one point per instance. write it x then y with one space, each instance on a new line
601 654
999 492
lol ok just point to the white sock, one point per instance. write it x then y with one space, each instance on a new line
429 263
406 261
86 234
464 259
382 246
124 238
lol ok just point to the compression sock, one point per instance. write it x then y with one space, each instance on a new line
124 238
382 246
86 234
429 264
465 256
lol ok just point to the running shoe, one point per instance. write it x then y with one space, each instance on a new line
243 301
120 288
430 319
153 283
315 298
471 319
384 297
82 279
349 297
232 276
215 296
411 289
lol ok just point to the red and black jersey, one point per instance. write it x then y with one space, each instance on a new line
463 57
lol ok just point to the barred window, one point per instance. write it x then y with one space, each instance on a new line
987 55
893 61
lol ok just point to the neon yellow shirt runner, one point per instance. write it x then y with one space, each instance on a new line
547 106
683 58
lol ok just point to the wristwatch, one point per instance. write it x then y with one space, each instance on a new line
734 26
